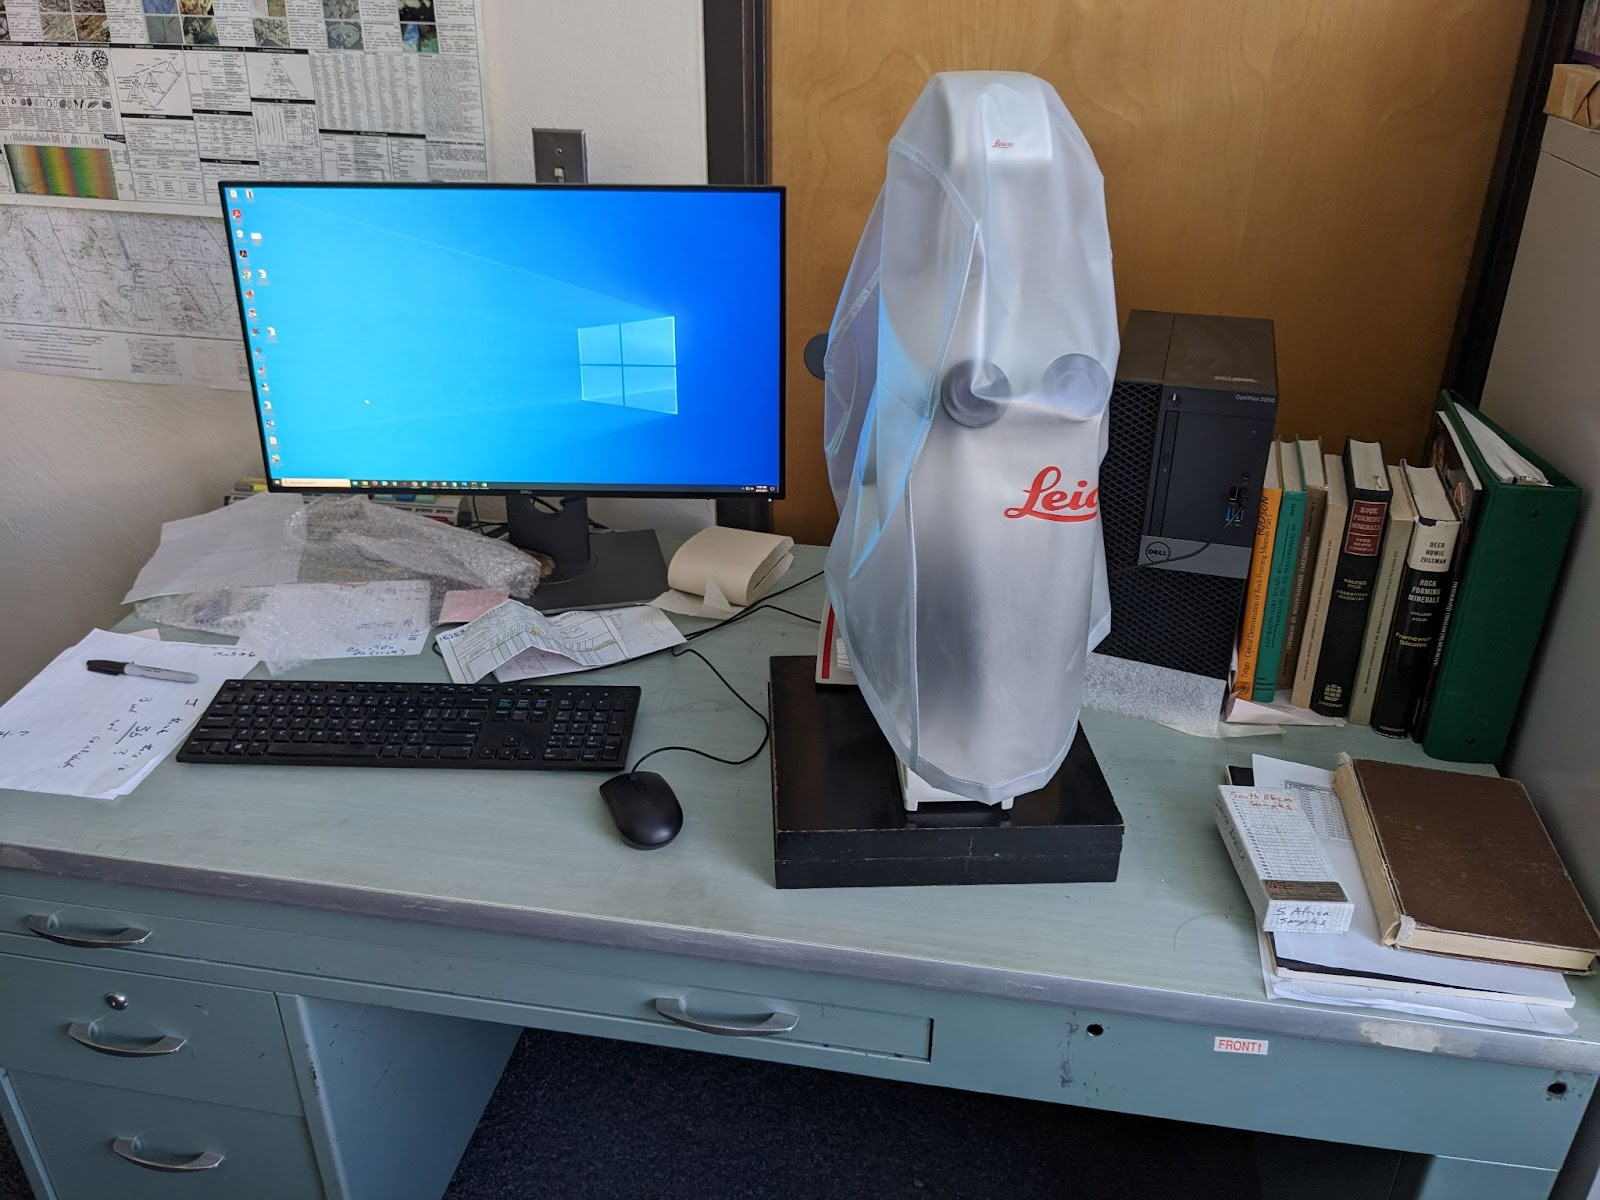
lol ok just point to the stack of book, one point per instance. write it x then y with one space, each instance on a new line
1407 597
1408 888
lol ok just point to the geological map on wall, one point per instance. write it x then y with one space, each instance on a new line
118 296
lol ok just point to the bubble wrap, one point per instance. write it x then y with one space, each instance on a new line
371 582
1188 703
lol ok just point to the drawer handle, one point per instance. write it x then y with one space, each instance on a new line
204 1161
671 1007
83 1033
45 927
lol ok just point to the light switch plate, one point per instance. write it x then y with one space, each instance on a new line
560 156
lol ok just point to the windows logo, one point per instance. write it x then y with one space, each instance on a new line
633 364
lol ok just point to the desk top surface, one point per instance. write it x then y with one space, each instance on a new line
535 852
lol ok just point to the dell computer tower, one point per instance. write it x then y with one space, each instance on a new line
1192 413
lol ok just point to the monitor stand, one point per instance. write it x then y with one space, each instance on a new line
599 570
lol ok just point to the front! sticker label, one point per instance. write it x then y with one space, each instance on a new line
1227 1045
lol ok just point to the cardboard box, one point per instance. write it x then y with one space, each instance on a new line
1575 94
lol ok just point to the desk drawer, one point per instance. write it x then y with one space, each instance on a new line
88 929
195 1040
718 1019
76 1127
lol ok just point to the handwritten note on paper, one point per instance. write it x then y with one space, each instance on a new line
341 620
76 733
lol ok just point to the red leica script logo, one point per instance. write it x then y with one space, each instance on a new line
1002 144
1048 503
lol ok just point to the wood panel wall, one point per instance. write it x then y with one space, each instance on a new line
1319 162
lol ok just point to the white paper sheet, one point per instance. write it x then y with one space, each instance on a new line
73 732
1277 712
1508 465
240 545
304 621
574 641
1360 948
713 605
1515 1014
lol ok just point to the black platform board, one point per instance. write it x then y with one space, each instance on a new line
838 819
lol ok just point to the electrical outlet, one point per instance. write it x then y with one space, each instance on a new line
560 156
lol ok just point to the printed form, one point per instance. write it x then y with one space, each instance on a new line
517 642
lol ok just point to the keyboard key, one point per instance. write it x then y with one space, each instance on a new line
319 750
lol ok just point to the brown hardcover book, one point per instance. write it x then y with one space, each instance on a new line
1461 864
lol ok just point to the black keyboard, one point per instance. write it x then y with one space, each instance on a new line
503 726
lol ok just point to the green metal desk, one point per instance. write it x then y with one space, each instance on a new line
348 956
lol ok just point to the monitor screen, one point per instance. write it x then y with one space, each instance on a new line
572 340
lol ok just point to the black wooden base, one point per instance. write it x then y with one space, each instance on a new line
838 819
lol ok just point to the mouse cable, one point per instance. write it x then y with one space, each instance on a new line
766 725
680 651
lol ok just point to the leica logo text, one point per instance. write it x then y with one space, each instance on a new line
1048 502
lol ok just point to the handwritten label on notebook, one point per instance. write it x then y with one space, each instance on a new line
1279 857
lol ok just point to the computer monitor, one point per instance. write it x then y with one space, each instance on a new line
522 340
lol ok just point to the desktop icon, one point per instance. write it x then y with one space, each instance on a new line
243 253
272 333
254 332
238 213
246 273
272 441
263 271
255 239
239 233
249 295
249 194
271 424
233 194
266 405
277 458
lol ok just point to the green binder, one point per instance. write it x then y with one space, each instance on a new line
1513 563
1280 582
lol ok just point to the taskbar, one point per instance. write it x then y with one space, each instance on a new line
541 489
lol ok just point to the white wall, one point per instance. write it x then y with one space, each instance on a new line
90 469
1541 388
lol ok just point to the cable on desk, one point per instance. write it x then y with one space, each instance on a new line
764 602
680 651
766 725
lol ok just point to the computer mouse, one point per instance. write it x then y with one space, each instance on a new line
646 813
